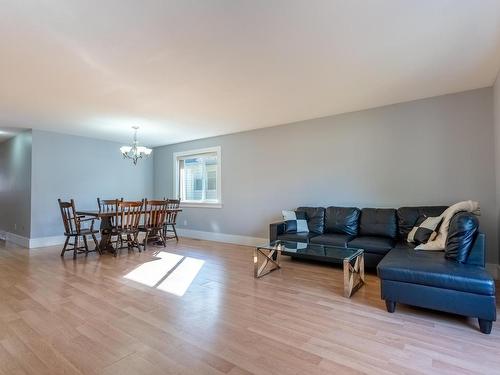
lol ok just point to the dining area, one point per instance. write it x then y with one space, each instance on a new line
118 224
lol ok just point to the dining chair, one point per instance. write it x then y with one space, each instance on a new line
171 218
108 205
74 227
155 212
128 218
108 226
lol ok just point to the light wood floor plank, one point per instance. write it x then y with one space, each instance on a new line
93 316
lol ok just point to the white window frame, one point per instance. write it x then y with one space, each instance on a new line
183 154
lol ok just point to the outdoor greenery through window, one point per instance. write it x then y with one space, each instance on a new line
198 176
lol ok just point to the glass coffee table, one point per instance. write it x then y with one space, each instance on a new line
266 259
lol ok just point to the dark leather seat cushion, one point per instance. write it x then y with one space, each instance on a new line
372 244
461 235
315 217
404 245
296 237
378 222
431 268
408 216
332 239
344 220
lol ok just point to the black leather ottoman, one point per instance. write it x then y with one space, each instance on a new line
427 279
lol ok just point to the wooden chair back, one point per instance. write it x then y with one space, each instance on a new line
108 205
155 213
172 207
69 217
129 215
173 204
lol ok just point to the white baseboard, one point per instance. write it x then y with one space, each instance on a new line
221 237
33 243
17 239
46 241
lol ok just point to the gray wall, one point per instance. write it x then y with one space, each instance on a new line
432 151
15 184
81 168
496 116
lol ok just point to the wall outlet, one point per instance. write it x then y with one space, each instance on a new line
185 222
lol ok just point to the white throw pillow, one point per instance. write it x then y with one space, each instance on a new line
295 221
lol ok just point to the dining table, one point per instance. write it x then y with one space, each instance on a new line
106 227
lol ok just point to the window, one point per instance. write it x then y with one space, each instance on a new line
197 177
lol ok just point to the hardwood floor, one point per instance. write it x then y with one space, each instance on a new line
124 315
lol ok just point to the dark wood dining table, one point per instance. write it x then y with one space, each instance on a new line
106 225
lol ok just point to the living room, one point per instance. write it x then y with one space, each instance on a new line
320 181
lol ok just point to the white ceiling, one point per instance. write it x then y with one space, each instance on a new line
185 70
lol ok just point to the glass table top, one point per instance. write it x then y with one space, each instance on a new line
302 249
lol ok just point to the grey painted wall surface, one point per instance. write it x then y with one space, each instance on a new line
432 151
496 116
81 168
15 184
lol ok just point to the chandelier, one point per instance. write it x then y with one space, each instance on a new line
134 151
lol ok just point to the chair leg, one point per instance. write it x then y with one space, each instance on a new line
119 240
97 247
485 326
163 239
65 246
86 245
136 242
390 305
75 249
175 233
146 237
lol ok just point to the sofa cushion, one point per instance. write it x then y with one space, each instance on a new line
296 237
425 229
295 221
378 222
408 216
461 235
372 244
332 239
431 268
315 217
344 220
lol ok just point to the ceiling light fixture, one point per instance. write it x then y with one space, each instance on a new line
134 151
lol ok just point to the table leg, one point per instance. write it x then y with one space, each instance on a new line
354 275
270 257
106 228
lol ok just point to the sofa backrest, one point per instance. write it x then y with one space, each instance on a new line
343 220
408 216
462 233
379 222
315 218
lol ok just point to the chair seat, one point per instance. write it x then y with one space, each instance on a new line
332 239
126 231
372 244
82 232
144 228
431 268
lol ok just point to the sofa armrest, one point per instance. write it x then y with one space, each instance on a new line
477 253
275 229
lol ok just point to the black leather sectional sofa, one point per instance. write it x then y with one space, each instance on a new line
376 230
454 281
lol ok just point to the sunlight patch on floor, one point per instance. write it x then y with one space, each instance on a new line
179 280
170 273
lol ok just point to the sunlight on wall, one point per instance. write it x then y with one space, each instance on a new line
170 273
